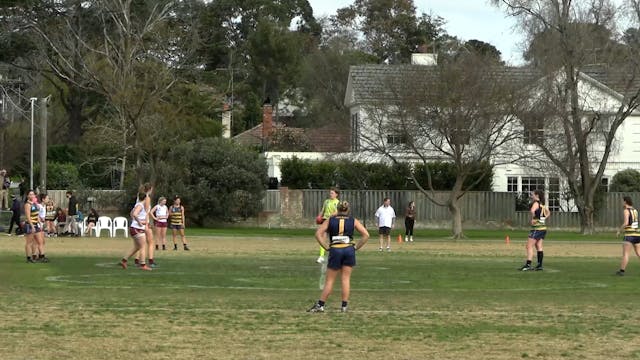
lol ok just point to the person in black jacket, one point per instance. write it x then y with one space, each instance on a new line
16 208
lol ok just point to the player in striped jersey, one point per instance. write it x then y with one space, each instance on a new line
177 223
631 233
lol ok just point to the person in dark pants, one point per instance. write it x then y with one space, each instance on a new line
409 221
15 210
72 215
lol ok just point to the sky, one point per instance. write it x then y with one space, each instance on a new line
465 19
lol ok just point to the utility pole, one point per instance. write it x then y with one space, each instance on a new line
33 114
43 143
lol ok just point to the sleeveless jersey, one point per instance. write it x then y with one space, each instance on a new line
340 231
162 213
142 216
50 213
539 220
34 209
632 228
175 215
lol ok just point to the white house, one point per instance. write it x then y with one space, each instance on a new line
600 91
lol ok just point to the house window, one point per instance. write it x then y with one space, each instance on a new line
553 202
532 183
604 184
534 131
396 139
355 132
512 184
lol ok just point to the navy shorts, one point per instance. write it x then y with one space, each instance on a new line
339 257
384 230
537 234
32 229
176 227
632 239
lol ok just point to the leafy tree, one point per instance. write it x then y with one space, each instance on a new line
219 180
626 181
391 29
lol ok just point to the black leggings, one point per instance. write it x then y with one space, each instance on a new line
408 225
15 219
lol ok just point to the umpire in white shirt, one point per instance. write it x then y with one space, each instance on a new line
386 218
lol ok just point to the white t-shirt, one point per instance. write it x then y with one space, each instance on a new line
385 216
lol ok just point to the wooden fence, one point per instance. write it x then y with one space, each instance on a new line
479 209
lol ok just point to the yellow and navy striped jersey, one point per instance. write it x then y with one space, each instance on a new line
34 213
175 215
631 229
539 218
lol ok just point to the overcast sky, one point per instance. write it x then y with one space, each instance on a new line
465 19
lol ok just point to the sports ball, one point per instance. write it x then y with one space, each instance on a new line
319 220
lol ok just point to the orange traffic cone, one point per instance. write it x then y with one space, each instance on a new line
399 238
507 240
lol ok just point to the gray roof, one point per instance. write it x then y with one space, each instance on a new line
620 80
371 83
368 83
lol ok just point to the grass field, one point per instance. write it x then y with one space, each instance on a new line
245 297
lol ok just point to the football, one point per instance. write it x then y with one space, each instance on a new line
319 220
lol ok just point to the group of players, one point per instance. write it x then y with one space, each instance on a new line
140 229
336 235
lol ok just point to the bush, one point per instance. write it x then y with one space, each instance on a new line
305 174
216 180
626 181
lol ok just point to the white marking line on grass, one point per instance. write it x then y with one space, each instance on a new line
92 284
301 311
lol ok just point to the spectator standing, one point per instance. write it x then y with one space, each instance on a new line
16 208
22 187
409 221
386 218
4 192
72 215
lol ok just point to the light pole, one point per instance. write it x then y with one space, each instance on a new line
33 102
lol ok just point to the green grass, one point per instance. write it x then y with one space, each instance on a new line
245 298
430 234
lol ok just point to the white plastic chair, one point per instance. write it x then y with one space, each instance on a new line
104 223
82 226
121 223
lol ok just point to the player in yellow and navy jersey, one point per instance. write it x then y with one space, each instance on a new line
176 223
339 243
631 233
539 216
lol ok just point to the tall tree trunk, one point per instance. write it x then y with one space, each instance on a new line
454 208
76 118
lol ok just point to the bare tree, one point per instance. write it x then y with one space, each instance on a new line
461 111
127 62
574 43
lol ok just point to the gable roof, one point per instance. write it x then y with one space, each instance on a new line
369 83
621 81
323 139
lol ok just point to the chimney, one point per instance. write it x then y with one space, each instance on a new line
267 120
424 59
